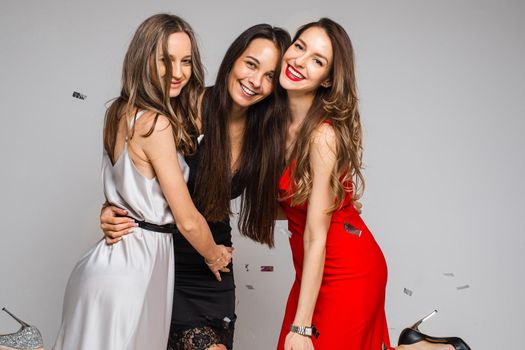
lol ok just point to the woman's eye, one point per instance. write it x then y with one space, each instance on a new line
318 62
269 76
187 61
298 46
250 64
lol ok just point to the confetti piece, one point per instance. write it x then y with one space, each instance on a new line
249 286
285 232
448 274
246 267
352 229
466 286
407 292
226 320
79 95
266 268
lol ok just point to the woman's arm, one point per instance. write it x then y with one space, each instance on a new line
322 161
160 150
113 220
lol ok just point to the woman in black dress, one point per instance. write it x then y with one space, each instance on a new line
237 156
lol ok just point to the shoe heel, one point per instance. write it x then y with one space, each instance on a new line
412 335
26 338
22 323
416 325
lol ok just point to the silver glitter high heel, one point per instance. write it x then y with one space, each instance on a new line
27 337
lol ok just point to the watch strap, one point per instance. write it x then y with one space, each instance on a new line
304 330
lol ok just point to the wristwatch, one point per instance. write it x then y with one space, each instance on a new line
306 331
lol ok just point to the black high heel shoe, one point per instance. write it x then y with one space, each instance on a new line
27 338
412 335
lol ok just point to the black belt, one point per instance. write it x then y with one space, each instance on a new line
168 228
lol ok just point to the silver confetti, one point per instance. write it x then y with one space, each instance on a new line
266 268
285 232
466 286
407 292
246 267
79 95
352 229
249 286
448 274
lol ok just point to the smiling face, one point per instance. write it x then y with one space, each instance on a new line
307 62
179 50
251 77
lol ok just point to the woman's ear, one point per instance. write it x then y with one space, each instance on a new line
327 83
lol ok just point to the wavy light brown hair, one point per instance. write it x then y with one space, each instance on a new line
144 89
337 105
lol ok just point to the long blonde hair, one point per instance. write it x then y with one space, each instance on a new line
337 105
144 89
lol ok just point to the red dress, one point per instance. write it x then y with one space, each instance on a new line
350 309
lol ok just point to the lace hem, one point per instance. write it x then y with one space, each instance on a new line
200 338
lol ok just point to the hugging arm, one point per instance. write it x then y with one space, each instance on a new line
160 150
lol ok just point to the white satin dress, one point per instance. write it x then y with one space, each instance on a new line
119 297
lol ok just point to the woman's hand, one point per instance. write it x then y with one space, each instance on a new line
220 262
115 224
296 341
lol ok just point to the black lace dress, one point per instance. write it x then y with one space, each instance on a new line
203 308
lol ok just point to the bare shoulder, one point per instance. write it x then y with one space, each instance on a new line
150 119
323 137
323 150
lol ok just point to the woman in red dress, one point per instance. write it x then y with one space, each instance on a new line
341 272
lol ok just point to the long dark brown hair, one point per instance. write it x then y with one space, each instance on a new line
262 155
337 104
144 89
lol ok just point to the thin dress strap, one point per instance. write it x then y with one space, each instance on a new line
130 126
132 122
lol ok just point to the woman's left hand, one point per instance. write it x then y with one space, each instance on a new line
296 341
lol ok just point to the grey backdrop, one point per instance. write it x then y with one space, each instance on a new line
442 90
